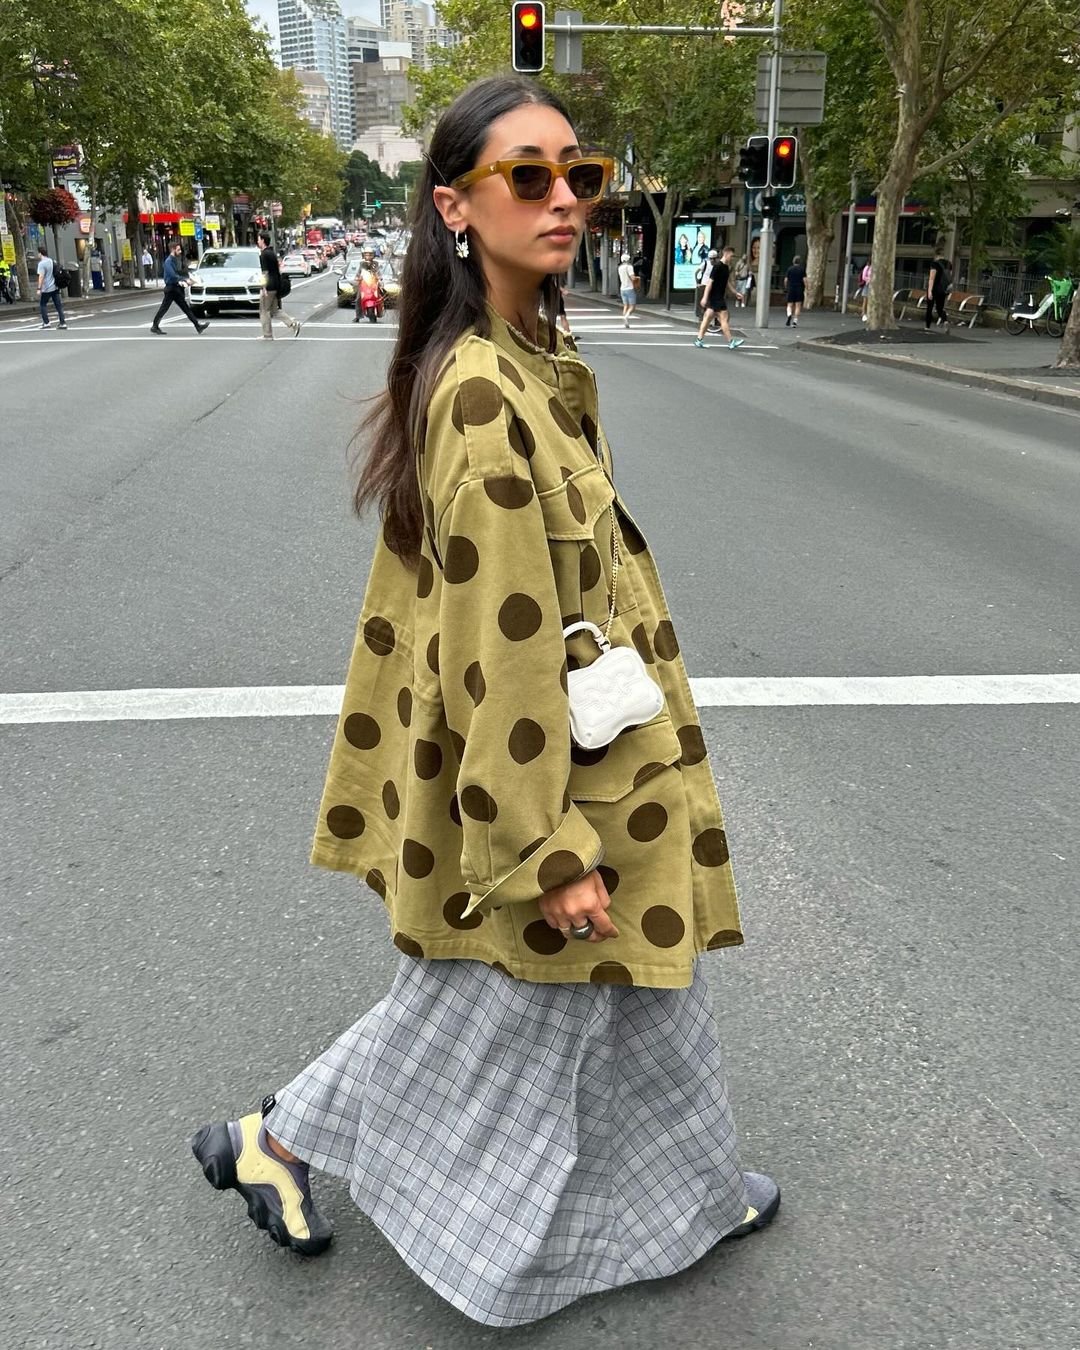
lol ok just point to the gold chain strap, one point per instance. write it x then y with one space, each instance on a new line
614 570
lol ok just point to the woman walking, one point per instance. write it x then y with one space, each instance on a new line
937 286
628 284
795 282
527 1118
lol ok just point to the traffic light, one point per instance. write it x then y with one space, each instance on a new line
378 205
754 162
770 206
785 161
527 37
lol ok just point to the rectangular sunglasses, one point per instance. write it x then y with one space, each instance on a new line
531 180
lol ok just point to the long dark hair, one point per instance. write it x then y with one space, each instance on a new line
442 296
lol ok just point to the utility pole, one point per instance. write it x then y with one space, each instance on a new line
765 255
850 244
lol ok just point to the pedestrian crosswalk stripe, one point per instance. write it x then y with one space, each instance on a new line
324 700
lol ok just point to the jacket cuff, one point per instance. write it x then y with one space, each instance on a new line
573 851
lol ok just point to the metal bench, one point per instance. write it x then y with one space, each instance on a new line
964 307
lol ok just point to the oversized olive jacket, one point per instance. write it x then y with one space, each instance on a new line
453 788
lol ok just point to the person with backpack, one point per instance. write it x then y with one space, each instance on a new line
275 288
937 285
50 277
175 286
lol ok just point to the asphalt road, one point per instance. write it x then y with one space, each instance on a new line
901 1026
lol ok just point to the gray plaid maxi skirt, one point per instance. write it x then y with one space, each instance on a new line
524 1144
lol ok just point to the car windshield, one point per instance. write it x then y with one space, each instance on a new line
235 257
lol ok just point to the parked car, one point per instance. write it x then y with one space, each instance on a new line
226 278
296 265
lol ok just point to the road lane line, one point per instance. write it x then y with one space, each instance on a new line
316 700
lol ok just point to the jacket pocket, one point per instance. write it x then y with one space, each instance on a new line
633 757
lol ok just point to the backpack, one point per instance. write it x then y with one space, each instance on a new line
284 285
60 276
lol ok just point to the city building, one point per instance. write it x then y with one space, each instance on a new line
316 94
416 23
381 88
388 148
313 38
362 40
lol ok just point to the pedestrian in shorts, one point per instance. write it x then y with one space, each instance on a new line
795 291
716 306
627 288
536 1109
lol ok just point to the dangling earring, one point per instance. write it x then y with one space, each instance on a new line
461 243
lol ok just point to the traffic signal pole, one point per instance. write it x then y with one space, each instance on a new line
765 246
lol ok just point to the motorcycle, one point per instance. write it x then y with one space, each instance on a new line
369 298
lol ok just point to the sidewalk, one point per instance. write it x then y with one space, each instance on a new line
981 358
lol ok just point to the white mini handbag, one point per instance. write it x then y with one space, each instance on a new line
615 691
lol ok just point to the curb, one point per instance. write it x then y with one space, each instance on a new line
1000 384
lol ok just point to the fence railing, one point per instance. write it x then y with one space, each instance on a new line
1006 290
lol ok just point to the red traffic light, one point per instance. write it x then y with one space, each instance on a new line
785 161
527 37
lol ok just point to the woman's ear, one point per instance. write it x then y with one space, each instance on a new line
451 206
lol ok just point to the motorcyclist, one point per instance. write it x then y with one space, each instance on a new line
369 292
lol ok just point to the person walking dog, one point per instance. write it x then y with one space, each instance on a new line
270 292
175 292
536 1110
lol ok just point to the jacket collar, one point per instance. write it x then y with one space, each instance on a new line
528 354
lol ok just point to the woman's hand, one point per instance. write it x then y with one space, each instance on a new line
571 905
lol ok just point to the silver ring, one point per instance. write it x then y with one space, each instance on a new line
584 931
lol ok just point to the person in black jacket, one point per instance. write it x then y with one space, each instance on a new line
175 283
270 295
937 286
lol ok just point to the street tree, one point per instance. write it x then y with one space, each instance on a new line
1008 51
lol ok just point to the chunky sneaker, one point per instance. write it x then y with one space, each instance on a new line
763 1196
236 1156
698 342
735 343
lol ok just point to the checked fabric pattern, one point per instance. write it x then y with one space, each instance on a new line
522 1144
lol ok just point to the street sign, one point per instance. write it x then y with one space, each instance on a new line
9 248
802 89
213 221
276 208
65 161
567 45
187 228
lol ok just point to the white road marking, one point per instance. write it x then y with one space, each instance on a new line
318 700
144 335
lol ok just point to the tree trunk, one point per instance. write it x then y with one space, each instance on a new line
890 200
15 229
87 262
820 229
664 224
590 261
1069 352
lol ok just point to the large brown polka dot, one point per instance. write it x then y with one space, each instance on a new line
433 654
416 859
610 878
711 848
540 938
646 772
640 640
345 822
361 731
379 635
408 946
610 972
455 810
576 503
390 800
590 567
522 441
562 675
647 822
481 400
457 413
404 706
519 617
454 912
425 578
588 426
665 641
565 472
527 740
530 849
511 372
427 759
377 882
462 560
457 740
475 684
586 758
727 937
509 493
478 804
559 868
662 926
693 744
563 419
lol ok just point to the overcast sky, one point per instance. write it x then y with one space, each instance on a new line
266 12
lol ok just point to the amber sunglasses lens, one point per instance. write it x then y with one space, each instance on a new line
532 182
586 180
